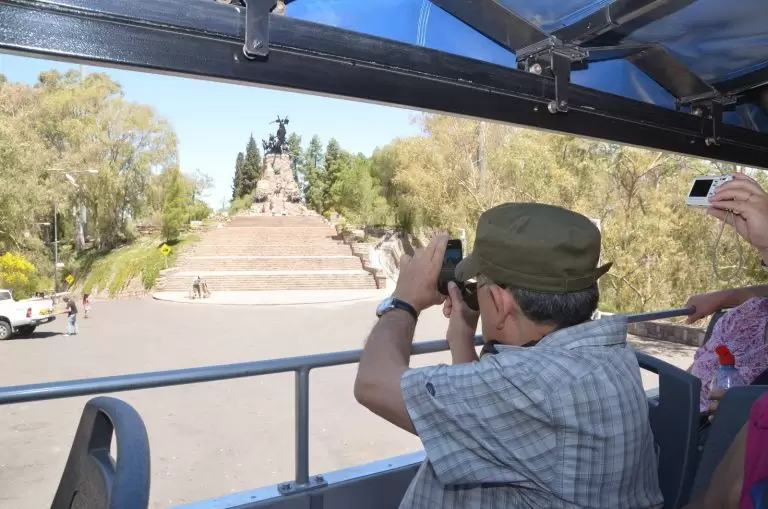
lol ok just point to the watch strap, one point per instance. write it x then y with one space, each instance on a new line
401 304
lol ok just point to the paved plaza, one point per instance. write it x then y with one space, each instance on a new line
214 438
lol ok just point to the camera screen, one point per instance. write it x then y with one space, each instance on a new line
700 188
452 256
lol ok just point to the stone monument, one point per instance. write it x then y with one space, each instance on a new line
277 192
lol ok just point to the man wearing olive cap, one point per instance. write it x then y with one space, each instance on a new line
553 414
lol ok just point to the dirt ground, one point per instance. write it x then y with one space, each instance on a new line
215 438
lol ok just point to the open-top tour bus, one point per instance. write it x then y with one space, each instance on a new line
685 76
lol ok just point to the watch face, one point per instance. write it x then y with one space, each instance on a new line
385 306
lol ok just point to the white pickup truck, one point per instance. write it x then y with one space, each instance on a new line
22 317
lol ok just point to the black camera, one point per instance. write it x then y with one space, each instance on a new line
454 253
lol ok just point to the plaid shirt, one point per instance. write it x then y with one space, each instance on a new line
563 424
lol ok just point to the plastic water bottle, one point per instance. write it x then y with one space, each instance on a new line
727 375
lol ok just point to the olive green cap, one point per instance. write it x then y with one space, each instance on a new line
533 246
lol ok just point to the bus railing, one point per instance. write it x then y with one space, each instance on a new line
301 366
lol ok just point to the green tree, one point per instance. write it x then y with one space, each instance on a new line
252 167
237 181
358 195
177 204
661 249
293 149
311 171
335 162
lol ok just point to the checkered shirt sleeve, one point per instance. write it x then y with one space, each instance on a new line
479 426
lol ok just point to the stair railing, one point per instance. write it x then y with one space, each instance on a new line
301 366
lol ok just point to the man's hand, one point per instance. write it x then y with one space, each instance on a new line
417 282
715 396
749 203
460 316
705 304
462 325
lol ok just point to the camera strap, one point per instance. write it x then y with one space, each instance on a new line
729 219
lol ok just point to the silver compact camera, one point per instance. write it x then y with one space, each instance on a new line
703 188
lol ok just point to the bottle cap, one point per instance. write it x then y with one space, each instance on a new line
725 356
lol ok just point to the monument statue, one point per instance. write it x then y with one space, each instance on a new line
277 189
276 144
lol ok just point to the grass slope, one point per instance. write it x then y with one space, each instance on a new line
114 270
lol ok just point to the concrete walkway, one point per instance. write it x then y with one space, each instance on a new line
276 298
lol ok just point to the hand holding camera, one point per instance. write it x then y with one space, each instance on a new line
416 282
748 203
460 315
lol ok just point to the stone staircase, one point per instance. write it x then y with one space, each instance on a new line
256 253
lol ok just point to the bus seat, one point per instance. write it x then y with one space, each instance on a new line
732 414
92 478
674 417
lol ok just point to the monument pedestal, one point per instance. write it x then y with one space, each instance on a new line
277 192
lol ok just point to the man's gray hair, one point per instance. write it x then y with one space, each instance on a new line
559 309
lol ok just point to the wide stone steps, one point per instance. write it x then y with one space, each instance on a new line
219 283
275 221
274 263
272 240
299 231
272 250
259 253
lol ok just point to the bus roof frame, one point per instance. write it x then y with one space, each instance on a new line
204 39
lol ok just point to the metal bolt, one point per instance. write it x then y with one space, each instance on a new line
319 478
536 108
710 141
536 68
285 486
563 104
698 112
257 44
552 107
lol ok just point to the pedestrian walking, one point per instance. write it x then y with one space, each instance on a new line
86 304
71 312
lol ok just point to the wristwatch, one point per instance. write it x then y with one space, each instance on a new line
391 303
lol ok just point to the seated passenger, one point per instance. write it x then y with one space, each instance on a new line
553 414
742 329
739 481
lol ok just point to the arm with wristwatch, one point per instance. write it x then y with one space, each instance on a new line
387 351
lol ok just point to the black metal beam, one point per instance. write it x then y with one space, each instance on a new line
492 19
671 74
610 24
743 83
204 40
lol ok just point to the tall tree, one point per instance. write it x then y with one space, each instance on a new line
336 161
293 149
176 207
252 167
237 181
312 174
201 182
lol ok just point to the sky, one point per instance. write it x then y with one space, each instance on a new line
214 120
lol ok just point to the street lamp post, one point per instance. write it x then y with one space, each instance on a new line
71 180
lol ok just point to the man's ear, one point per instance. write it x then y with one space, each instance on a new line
505 305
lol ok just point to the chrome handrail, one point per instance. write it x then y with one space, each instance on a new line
301 365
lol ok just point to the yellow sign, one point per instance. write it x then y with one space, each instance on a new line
69 279
165 249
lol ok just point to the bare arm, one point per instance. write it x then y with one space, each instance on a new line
461 340
708 303
737 296
384 360
462 325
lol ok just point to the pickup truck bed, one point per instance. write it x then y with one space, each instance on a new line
22 317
